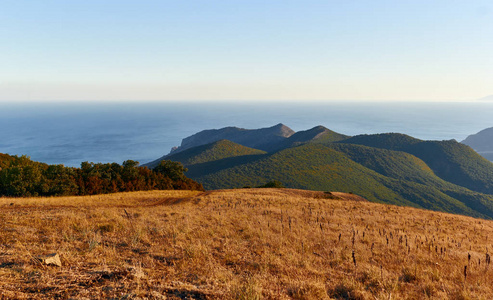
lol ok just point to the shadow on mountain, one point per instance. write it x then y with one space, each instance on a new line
204 169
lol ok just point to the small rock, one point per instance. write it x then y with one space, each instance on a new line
51 259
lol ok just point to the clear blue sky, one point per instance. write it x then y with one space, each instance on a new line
245 50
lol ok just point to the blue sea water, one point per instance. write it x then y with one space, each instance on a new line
70 133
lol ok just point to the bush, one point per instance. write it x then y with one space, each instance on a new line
272 184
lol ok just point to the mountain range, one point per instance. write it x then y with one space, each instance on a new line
486 98
263 139
387 168
482 142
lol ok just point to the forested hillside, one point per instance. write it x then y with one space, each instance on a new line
450 160
215 151
387 168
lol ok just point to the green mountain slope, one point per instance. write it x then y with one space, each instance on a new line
394 164
449 160
391 168
456 163
209 153
403 166
390 141
318 134
384 176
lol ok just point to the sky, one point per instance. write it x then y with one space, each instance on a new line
92 50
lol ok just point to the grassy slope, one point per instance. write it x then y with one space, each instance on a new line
213 152
318 134
406 167
319 167
457 163
450 160
390 141
209 153
239 244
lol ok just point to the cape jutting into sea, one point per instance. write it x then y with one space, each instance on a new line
70 133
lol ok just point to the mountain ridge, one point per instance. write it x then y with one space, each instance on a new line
450 160
214 151
260 139
486 98
482 142
388 168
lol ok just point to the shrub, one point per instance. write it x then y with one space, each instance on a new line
272 184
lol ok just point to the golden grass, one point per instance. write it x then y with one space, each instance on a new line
119 199
239 244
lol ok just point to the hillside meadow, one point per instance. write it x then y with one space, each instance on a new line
239 244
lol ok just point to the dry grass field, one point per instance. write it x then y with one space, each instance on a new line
239 244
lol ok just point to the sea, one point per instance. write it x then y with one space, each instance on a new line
69 133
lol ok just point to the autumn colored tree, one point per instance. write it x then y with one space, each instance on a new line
20 176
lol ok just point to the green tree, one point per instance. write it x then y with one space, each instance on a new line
21 180
273 184
59 181
172 169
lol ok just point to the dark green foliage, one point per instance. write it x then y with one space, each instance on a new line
390 141
22 177
272 184
171 169
394 164
175 171
309 166
456 163
60 180
449 160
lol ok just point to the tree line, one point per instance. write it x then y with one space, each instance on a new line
22 177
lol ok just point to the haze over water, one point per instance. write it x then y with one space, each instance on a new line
113 132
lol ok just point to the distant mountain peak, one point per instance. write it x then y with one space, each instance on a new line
312 133
262 138
320 127
487 98
482 142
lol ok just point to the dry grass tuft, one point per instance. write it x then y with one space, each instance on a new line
239 244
